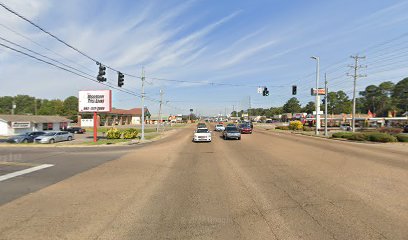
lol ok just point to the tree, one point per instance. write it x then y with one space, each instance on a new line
71 107
309 108
338 102
400 95
6 104
292 106
378 98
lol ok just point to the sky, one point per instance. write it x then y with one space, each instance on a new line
218 52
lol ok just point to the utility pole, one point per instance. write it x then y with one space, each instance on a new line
160 109
35 106
325 105
13 106
317 100
355 77
143 109
249 107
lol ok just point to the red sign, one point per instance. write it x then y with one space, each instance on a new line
320 91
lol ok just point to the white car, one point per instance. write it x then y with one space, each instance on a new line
53 137
202 135
219 127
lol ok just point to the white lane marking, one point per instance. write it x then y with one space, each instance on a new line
25 171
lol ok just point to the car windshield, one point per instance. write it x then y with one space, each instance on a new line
49 134
202 130
232 129
220 125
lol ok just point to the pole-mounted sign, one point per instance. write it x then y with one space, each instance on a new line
95 101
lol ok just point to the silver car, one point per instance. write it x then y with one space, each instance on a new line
53 137
231 132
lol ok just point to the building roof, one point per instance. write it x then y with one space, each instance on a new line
33 118
133 111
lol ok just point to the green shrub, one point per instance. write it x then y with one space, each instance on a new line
358 137
282 127
130 133
402 137
113 133
381 137
295 125
391 130
307 129
342 134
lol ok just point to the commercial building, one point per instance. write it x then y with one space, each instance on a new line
116 117
19 124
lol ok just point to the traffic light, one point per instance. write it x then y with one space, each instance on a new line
294 90
121 79
265 92
324 100
101 73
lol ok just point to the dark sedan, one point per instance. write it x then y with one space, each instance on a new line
25 138
76 130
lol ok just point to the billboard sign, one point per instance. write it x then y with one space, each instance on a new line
95 101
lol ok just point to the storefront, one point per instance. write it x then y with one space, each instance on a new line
19 124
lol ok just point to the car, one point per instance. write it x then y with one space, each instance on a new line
202 135
345 127
27 137
201 125
231 132
219 127
76 130
245 128
406 129
53 137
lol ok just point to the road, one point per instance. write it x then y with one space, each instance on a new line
266 186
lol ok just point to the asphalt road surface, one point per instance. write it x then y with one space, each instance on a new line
266 186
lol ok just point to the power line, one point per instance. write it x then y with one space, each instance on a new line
44 47
73 72
59 39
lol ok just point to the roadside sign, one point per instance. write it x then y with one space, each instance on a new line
320 113
321 91
95 101
260 90
20 124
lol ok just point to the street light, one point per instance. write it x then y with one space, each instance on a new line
317 100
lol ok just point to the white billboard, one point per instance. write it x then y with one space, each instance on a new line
95 101
20 124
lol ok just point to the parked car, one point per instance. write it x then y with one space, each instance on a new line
219 127
232 132
406 129
27 137
245 128
345 127
76 130
53 137
202 135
